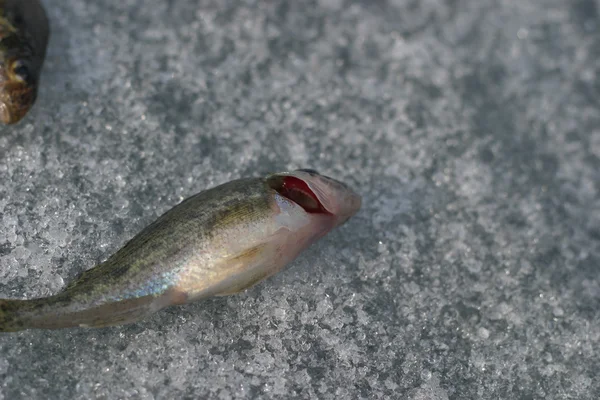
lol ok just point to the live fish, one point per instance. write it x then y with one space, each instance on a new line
218 242
24 33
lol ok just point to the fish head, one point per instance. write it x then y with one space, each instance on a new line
18 79
319 198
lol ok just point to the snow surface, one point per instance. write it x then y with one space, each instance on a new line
470 127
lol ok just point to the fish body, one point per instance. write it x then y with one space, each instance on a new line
218 242
24 33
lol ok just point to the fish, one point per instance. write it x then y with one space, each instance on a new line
24 35
218 242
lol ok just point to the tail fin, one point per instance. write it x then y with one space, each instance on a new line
13 313
57 312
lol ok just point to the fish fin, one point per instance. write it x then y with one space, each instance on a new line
251 278
57 312
252 272
247 256
127 311
247 270
114 313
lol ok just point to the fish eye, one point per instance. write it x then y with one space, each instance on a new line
21 71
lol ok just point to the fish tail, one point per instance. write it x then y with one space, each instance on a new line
14 314
60 311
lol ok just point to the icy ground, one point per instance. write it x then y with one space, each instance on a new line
471 127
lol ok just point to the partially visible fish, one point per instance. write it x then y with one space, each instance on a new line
24 36
218 242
